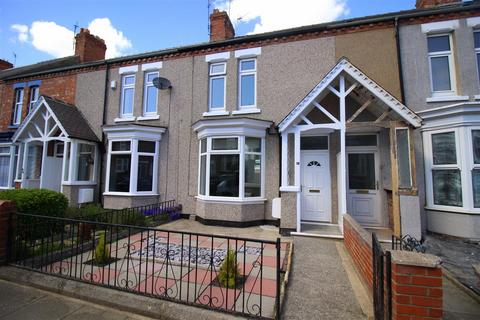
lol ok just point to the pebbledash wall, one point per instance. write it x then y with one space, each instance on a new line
456 112
286 72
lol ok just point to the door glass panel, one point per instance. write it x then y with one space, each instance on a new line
447 187
361 171
444 149
314 143
361 140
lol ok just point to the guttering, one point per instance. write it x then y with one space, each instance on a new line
104 119
399 61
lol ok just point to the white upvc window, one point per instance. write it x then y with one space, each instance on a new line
34 94
247 83
441 62
5 156
217 86
150 94
128 95
80 160
17 107
476 39
231 168
132 166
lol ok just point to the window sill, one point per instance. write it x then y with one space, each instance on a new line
152 117
477 97
215 113
289 189
247 111
458 210
447 98
129 119
13 126
231 200
79 183
130 194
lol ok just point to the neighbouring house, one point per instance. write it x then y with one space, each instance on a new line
441 63
294 127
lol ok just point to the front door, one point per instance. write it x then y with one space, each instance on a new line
316 197
363 196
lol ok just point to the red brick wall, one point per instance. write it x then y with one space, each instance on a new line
6 208
416 292
433 3
59 87
359 245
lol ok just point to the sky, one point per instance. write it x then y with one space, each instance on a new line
37 30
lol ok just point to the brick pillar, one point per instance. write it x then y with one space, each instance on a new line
7 212
416 286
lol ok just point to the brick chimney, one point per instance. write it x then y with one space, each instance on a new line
221 27
4 65
422 4
89 47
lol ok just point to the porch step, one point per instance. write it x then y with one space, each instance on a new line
331 231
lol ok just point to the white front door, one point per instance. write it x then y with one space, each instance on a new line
363 196
316 196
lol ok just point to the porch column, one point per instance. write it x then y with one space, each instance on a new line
297 159
343 161
284 172
44 158
395 184
24 164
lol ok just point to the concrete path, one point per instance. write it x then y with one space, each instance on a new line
457 304
319 287
19 302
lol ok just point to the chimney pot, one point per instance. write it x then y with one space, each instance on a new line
89 47
221 27
422 4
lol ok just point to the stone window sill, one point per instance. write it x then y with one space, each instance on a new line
247 111
152 117
129 119
215 113
447 98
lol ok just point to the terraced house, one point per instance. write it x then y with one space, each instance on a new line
294 127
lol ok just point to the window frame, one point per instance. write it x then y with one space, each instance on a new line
217 75
32 101
146 85
70 162
246 73
124 87
18 106
135 154
451 66
477 53
239 151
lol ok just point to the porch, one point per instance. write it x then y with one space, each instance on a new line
348 147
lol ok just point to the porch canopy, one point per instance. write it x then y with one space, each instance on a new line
346 99
55 135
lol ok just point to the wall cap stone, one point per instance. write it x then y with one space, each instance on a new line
416 259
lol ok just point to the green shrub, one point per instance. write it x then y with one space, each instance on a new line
102 250
90 212
229 271
37 201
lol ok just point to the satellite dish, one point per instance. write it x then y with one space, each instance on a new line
161 83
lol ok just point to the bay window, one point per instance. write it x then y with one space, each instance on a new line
231 167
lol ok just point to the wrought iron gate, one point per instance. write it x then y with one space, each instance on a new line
382 281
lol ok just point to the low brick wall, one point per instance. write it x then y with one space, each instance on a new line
416 278
359 245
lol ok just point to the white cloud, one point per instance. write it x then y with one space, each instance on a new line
116 42
22 31
282 14
57 40
52 38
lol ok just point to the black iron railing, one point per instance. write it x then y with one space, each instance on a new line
407 243
382 281
235 275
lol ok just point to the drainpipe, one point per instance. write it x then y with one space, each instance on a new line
104 117
399 60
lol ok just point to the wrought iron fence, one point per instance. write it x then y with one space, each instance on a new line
229 274
407 243
382 281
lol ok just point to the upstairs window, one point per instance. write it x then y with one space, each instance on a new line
247 91
150 94
128 90
17 107
217 75
476 38
34 94
441 64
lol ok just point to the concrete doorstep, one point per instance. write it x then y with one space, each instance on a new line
118 300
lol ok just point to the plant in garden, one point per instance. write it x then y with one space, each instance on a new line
102 250
229 270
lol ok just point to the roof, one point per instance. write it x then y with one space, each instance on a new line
41 66
345 66
71 119
328 26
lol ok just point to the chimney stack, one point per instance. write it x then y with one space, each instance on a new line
89 47
422 4
4 65
221 27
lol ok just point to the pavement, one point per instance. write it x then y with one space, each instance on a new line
457 303
18 302
319 285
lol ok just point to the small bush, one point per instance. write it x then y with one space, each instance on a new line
37 201
229 271
90 212
102 250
